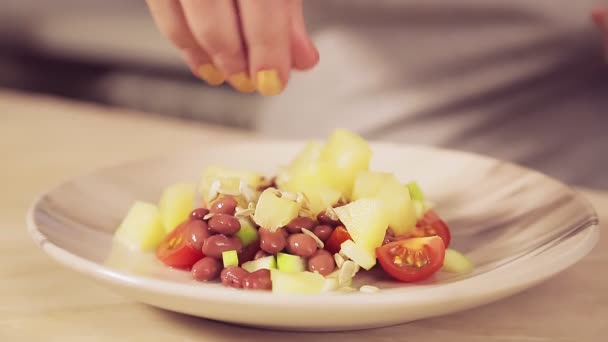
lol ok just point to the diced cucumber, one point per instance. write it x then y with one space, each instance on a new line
296 282
415 191
230 258
420 209
247 233
290 263
268 263
456 262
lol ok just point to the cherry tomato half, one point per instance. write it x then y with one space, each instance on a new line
430 225
339 235
183 246
412 259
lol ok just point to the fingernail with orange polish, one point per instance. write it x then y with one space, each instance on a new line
242 82
211 74
268 82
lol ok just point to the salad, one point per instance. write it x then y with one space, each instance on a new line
309 229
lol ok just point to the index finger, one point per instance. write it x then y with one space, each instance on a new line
265 25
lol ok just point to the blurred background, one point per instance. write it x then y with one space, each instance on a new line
107 52
520 80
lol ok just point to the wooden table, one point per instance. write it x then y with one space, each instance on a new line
45 140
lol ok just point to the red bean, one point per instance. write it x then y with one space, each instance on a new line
248 252
216 244
388 239
197 233
296 225
224 205
322 261
272 242
301 245
224 224
206 269
198 213
323 231
233 276
323 218
272 183
284 232
258 280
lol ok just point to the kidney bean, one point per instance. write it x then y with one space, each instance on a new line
206 269
296 225
197 232
284 232
388 239
272 242
233 276
224 205
248 252
322 261
272 183
301 245
260 254
258 280
323 231
198 213
224 224
216 244
324 219
389 236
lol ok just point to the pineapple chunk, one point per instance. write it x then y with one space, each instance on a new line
398 205
297 282
319 199
142 228
369 183
273 212
176 202
357 254
229 180
309 154
366 221
347 154
314 181
314 175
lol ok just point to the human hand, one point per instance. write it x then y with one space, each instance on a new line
251 44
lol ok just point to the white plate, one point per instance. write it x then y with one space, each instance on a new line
518 226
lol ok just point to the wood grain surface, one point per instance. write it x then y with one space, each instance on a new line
45 140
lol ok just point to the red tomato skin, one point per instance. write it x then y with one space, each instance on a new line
433 247
430 221
333 243
184 254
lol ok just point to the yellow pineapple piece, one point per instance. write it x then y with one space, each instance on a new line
273 212
366 221
309 154
369 183
176 203
228 179
346 154
142 228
